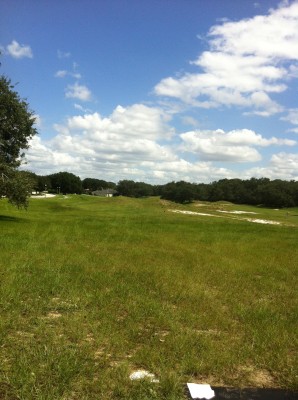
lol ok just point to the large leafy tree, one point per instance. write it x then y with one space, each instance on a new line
93 184
16 130
134 189
66 182
180 192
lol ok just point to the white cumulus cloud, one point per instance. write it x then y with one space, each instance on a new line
247 62
77 91
292 116
124 142
16 50
60 74
282 166
233 146
64 73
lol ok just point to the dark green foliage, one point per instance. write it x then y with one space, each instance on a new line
16 185
279 193
65 182
16 129
262 191
16 124
276 193
134 189
143 189
43 183
180 192
93 184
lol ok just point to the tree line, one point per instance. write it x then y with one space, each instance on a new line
255 191
263 191
68 183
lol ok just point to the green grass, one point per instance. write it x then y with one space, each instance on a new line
92 289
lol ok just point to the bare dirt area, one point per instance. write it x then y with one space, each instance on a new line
43 196
255 220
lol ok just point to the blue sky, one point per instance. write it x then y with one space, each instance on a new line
157 90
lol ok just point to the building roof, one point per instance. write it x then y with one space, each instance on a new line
103 192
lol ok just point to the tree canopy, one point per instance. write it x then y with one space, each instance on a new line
254 191
16 129
92 184
134 189
262 191
16 124
66 182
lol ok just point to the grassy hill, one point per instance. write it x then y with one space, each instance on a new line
93 289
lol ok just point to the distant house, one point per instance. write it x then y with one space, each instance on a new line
105 192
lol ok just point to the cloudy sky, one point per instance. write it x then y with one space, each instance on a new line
159 90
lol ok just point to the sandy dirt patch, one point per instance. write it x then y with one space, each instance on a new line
256 377
53 315
192 213
262 221
236 212
255 220
43 196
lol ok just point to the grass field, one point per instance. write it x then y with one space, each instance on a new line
93 289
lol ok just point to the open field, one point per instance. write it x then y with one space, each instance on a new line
93 289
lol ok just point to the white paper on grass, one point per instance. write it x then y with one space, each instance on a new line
200 391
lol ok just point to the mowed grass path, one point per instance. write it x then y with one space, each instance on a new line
93 289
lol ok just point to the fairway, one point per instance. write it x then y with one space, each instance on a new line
94 289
